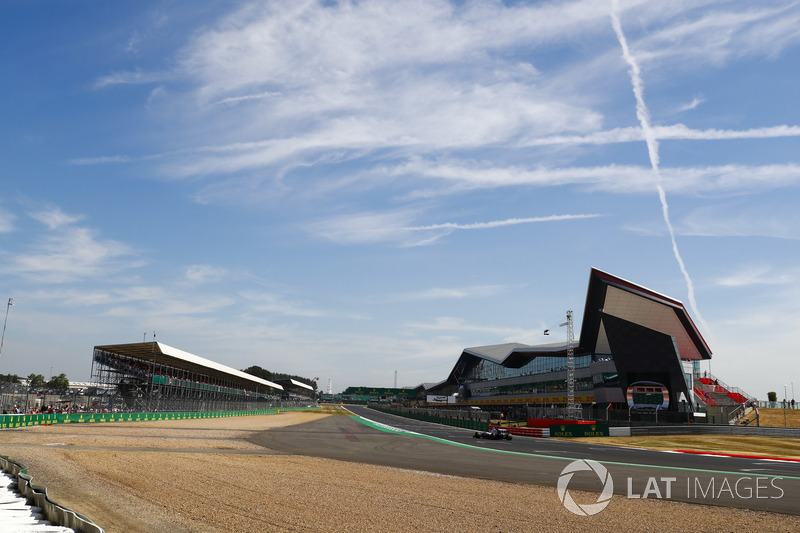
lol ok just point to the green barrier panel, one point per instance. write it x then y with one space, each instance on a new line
16 421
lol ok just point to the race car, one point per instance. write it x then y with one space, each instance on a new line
493 434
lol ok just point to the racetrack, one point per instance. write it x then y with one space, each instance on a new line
757 484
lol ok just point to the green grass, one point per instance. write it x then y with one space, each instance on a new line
775 418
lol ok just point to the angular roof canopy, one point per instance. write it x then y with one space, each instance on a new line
167 355
514 354
622 299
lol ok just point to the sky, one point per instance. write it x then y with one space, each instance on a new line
359 190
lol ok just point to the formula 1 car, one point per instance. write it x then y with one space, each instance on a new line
493 434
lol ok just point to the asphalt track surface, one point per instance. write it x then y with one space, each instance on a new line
758 484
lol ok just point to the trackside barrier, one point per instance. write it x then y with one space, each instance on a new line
55 513
477 425
524 432
17 421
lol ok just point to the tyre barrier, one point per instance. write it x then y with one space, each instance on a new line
37 495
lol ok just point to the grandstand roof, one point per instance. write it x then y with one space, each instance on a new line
294 383
514 354
167 355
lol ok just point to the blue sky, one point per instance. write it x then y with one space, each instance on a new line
348 189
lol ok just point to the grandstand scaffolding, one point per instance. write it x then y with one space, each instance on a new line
151 376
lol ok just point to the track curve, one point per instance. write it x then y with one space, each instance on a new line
756 484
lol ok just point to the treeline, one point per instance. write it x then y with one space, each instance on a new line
263 373
37 381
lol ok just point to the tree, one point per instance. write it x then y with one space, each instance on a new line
36 381
772 396
259 372
59 382
11 378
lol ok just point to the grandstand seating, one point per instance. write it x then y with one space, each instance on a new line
734 401
713 392
704 397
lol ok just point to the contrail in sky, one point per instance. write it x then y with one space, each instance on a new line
643 115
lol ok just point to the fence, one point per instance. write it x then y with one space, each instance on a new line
789 404
705 429
17 421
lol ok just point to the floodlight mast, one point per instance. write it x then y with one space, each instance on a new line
5 323
573 409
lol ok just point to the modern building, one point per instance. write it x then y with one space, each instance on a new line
637 349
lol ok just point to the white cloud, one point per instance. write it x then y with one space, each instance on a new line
693 38
370 227
6 222
447 323
499 223
67 252
276 304
132 47
754 275
227 158
669 132
696 101
54 218
401 90
129 78
452 293
72 254
197 274
734 220
396 227
461 175
102 160
305 45
238 99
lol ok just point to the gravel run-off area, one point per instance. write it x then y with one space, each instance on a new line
202 475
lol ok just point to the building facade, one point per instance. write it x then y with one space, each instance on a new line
637 349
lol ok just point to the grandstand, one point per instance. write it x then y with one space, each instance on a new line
152 376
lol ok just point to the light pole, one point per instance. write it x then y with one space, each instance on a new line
784 406
5 322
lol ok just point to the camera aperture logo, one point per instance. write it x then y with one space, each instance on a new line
702 488
586 509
